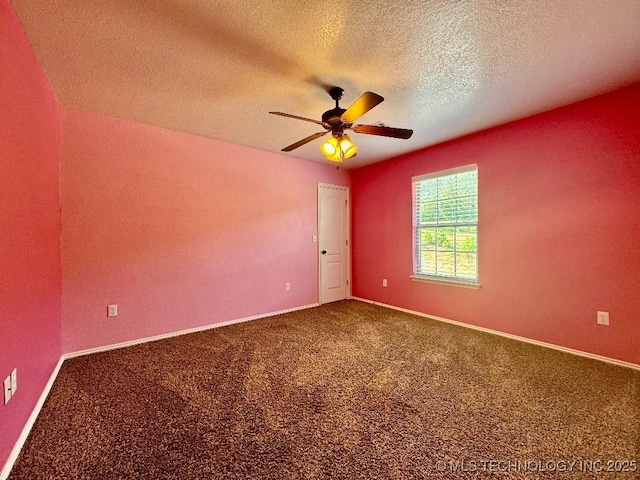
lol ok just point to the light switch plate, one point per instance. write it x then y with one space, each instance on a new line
14 381
7 389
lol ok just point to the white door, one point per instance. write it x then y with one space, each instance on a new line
333 244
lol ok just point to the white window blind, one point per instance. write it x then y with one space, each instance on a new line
445 224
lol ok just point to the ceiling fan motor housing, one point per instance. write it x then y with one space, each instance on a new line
332 117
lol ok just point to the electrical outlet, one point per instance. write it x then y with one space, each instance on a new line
384 282
7 389
14 381
287 286
603 318
112 310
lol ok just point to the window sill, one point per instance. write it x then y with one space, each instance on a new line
445 281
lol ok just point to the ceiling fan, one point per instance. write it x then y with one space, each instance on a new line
339 147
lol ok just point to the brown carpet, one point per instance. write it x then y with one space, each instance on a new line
343 391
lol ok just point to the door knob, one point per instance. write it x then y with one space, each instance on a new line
324 252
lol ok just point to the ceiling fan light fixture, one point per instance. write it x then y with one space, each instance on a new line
330 148
338 148
347 147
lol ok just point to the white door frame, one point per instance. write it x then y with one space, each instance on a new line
319 260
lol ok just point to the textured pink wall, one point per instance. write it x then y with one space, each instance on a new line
179 231
559 208
30 274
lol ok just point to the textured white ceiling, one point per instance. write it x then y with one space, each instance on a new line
446 68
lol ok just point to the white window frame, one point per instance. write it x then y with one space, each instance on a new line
440 279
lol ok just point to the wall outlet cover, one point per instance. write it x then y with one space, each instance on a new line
603 318
112 310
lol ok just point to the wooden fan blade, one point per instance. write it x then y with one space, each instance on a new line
302 118
310 138
366 102
383 131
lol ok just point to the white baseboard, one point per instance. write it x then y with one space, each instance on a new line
139 341
593 356
13 456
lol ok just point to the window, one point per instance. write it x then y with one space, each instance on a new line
445 226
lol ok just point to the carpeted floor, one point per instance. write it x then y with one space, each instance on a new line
344 391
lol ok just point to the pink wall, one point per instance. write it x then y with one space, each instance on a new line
30 273
182 231
559 213
179 231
